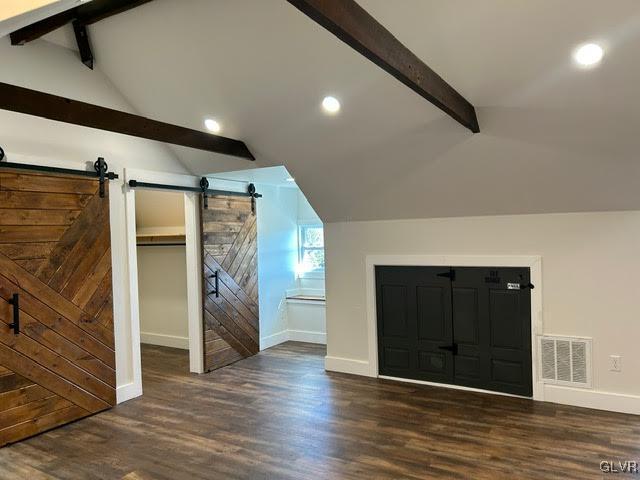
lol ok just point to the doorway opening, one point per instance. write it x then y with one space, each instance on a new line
162 281
290 258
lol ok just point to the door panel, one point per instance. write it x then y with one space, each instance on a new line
432 319
230 252
394 310
55 254
465 315
505 306
414 323
469 330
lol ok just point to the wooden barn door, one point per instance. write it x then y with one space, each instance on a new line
58 364
230 281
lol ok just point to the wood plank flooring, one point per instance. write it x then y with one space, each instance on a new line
278 415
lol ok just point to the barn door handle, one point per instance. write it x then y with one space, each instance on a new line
15 301
450 348
216 291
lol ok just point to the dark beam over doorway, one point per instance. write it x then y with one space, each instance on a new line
84 15
61 109
353 25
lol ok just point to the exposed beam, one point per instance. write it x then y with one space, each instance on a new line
353 25
85 14
36 30
84 47
97 10
61 109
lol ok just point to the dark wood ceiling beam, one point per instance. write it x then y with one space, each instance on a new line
353 25
36 30
86 14
97 10
61 109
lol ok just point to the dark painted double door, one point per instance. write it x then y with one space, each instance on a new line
468 326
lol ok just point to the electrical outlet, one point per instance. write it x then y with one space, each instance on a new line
615 363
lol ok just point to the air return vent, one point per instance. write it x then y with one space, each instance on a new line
565 361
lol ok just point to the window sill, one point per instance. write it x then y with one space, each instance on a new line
316 275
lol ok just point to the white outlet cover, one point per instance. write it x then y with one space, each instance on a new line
615 363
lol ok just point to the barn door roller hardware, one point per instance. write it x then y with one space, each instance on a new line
204 186
216 280
100 167
203 189
252 192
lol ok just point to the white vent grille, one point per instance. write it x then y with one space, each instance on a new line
565 360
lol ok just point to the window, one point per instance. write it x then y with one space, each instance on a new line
311 248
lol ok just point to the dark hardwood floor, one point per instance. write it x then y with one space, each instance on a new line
278 415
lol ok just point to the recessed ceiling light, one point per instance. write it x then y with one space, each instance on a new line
291 179
212 125
588 54
331 105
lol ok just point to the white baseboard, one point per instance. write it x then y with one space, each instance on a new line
273 340
613 402
347 365
128 391
314 292
164 340
309 337
293 336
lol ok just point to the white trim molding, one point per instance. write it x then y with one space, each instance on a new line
307 336
172 341
347 365
128 392
533 262
580 397
194 290
293 336
194 282
273 340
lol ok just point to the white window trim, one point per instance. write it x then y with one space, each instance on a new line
319 273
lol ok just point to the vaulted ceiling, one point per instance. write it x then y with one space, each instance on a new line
554 137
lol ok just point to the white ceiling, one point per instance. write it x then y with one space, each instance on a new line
554 137
275 176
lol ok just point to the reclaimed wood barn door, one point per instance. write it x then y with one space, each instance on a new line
230 280
58 364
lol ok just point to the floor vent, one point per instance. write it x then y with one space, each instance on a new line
565 361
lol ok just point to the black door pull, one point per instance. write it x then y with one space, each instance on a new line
15 301
216 280
451 348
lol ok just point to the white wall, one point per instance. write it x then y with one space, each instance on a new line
306 213
589 268
162 289
277 256
43 66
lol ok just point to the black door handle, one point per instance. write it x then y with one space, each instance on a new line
15 301
453 348
216 280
